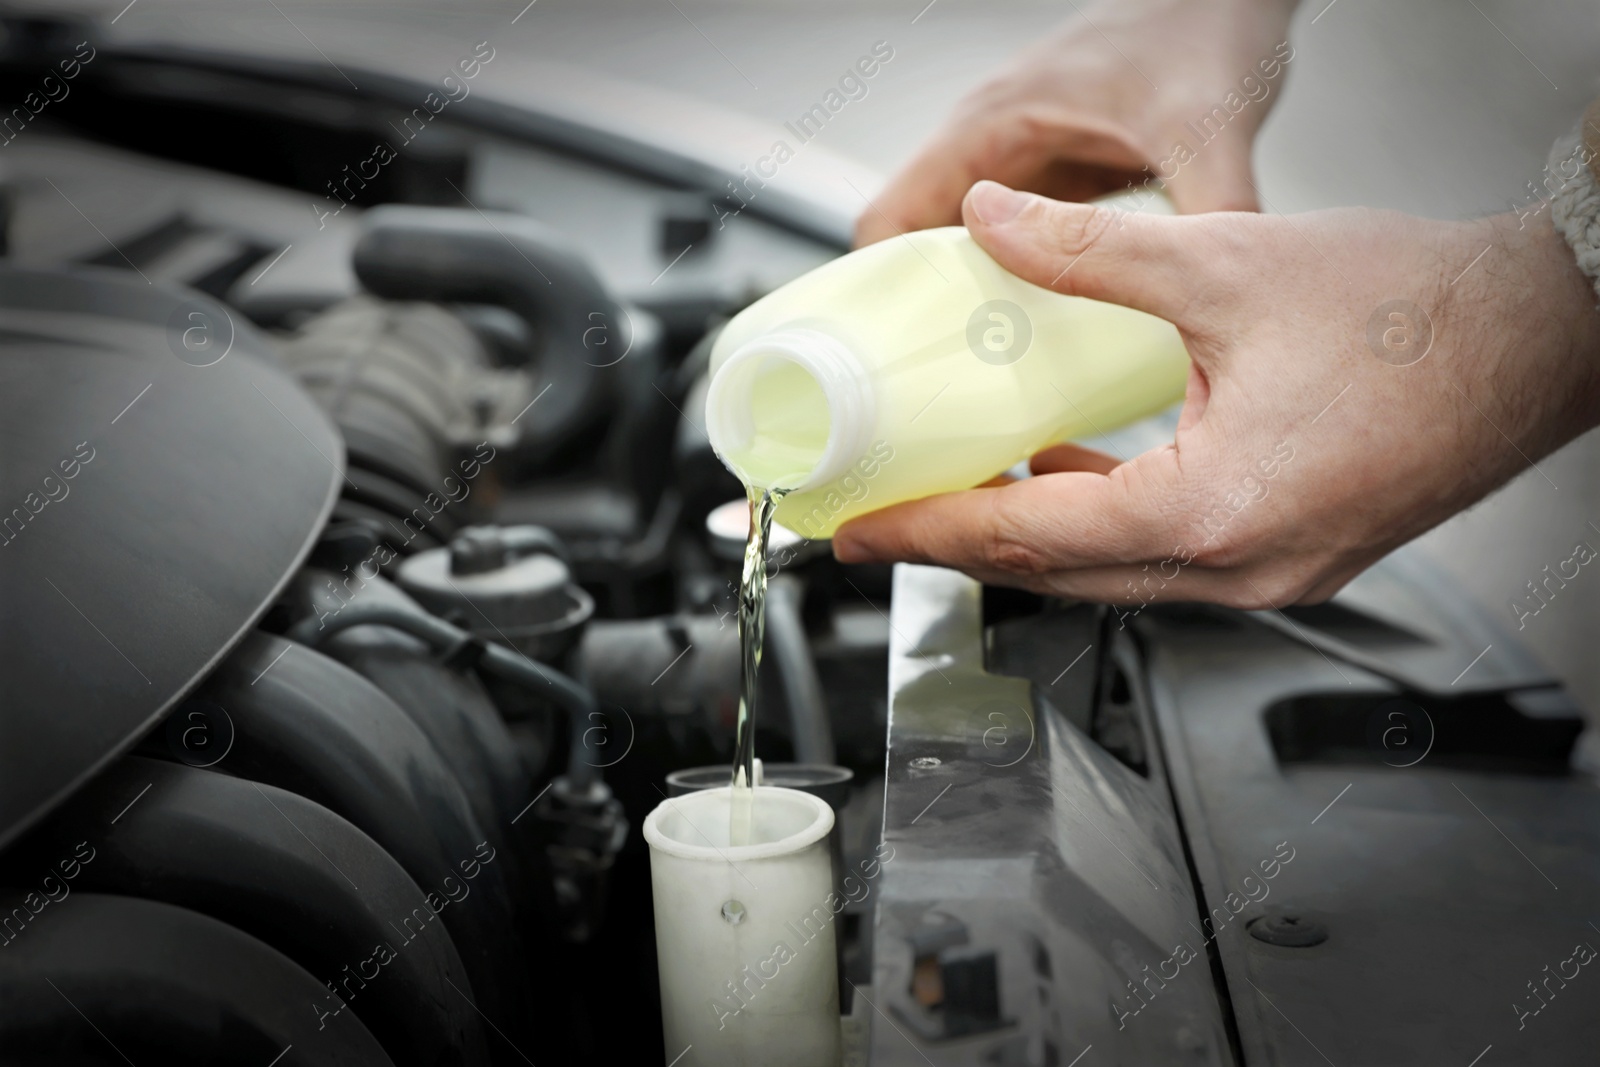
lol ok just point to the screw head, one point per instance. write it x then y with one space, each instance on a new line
1287 930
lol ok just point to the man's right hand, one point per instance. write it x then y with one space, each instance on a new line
1358 377
1126 85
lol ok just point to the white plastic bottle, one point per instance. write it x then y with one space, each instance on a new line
918 366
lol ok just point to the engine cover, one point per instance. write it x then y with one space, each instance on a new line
161 480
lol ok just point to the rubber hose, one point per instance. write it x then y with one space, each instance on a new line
497 660
462 255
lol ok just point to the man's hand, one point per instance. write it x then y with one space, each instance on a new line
1078 114
1359 376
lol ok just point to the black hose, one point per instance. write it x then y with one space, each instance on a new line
498 660
461 255
809 727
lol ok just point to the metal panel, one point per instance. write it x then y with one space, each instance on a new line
1033 879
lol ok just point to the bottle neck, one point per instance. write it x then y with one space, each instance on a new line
742 430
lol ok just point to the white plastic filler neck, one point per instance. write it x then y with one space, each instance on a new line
841 376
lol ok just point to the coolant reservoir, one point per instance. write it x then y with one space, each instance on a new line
918 366
745 939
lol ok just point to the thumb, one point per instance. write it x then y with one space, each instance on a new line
1149 263
1216 179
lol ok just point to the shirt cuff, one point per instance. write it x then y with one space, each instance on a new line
1573 177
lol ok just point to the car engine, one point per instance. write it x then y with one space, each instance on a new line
367 586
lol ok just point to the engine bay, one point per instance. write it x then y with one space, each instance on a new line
369 589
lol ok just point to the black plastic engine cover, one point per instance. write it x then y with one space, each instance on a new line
160 479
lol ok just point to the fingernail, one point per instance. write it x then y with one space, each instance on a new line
994 204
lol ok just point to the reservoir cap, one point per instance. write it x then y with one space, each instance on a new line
728 528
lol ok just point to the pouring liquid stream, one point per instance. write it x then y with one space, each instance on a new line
752 628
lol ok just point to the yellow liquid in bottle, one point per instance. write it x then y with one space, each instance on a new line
970 369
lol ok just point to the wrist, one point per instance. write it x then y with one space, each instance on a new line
1550 274
1547 315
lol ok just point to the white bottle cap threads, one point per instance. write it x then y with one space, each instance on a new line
731 421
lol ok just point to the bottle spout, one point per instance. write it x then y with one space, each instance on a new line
790 409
